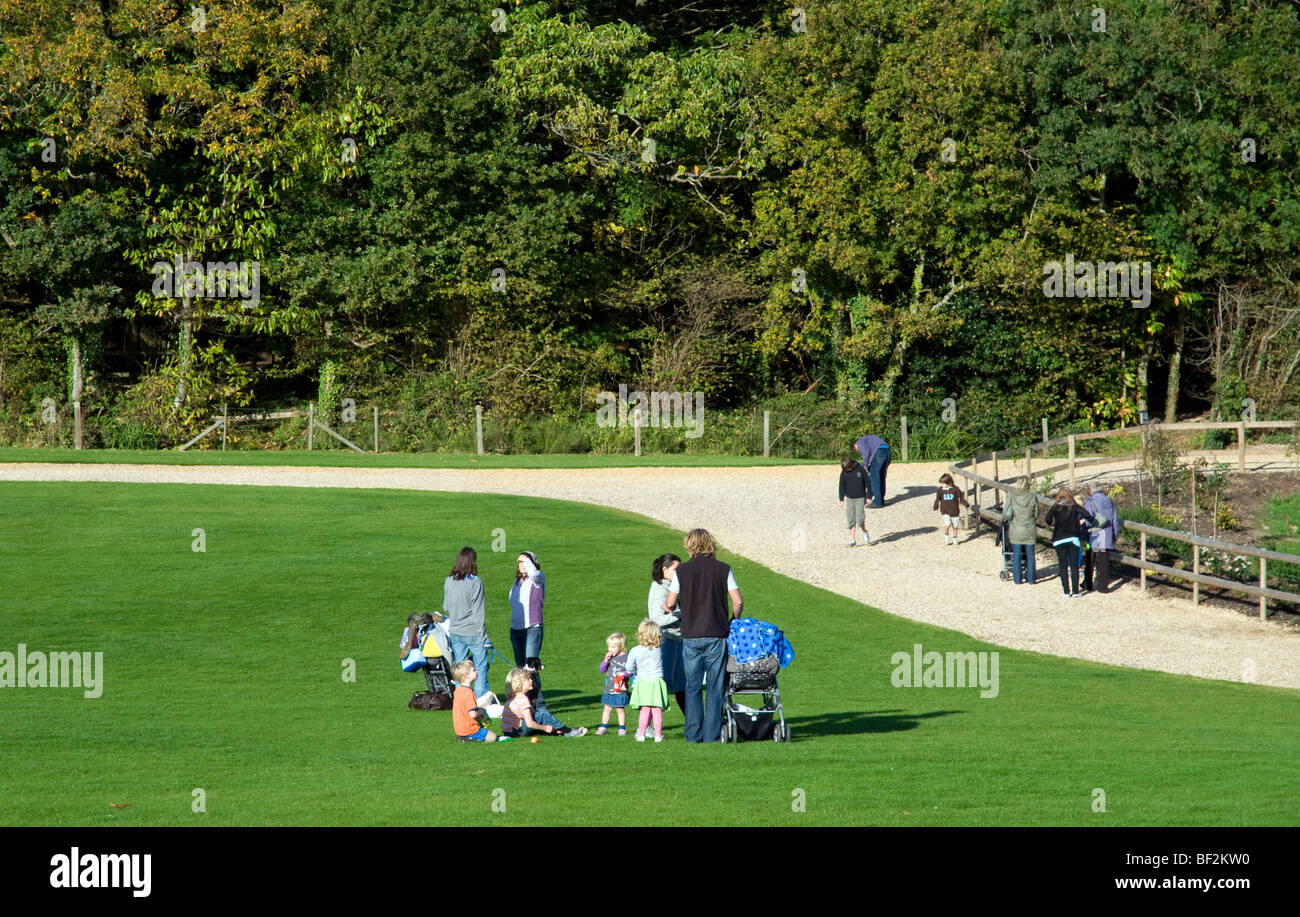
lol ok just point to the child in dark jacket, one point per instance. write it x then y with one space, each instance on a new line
949 500
855 487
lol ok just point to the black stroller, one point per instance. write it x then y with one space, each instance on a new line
1005 572
437 670
760 716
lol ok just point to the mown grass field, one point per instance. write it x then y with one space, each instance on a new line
223 672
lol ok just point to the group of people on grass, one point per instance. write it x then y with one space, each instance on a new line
680 649
1083 531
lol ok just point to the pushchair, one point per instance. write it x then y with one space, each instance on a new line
429 651
756 652
1002 540
437 670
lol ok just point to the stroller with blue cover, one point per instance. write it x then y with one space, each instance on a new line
756 652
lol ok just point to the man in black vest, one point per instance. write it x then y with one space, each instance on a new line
701 586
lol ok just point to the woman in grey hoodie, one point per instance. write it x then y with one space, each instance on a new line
463 605
1022 534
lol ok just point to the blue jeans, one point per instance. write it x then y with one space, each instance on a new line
704 658
472 648
877 473
1022 558
527 643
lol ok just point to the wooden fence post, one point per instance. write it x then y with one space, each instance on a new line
767 445
225 422
904 423
1196 568
1241 447
1044 437
311 423
376 429
478 426
1263 584
636 429
1142 571
1071 441
1029 464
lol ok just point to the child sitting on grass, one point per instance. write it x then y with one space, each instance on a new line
517 717
465 713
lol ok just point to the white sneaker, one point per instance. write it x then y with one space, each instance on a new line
640 738
659 738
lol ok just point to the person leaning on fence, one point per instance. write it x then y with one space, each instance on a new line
1104 534
1022 534
1065 519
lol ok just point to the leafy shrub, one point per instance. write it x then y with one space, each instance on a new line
1225 520
1167 549
1225 565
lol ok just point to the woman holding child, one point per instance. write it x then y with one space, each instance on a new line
669 621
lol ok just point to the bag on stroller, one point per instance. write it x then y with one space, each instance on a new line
425 647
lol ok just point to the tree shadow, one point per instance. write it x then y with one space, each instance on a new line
858 722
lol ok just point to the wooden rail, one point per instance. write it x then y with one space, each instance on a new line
993 516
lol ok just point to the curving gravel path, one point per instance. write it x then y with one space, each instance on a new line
788 519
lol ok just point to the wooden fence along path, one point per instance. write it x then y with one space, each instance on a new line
970 471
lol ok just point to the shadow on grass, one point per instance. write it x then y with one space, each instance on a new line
857 722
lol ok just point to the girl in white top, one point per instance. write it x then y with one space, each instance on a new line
648 691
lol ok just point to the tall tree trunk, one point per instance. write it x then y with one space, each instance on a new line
1144 364
885 386
184 350
77 388
843 317
1175 366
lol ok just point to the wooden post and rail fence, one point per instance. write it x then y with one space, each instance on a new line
969 470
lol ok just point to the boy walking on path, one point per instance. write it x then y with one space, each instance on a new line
854 488
949 500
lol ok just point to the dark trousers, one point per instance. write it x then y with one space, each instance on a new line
1067 559
1102 582
877 473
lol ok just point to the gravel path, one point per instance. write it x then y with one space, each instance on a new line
787 518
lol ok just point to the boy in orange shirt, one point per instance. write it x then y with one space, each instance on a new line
464 706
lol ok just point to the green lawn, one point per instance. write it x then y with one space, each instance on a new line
350 459
1282 520
223 672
